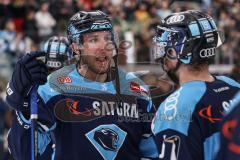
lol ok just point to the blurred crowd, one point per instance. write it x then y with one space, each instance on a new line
26 24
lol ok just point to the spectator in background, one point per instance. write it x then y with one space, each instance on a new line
45 21
30 26
142 38
84 5
163 8
21 45
61 11
13 43
7 36
18 9
141 13
5 12
129 7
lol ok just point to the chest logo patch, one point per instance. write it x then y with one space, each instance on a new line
107 139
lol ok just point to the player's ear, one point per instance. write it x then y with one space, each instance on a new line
171 54
76 48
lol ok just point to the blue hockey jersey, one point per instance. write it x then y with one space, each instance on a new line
87 119
187 123
230 132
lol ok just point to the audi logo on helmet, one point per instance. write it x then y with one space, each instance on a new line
175 19
208 52
54 64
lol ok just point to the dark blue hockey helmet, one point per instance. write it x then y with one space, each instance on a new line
85 22
192 34
58 52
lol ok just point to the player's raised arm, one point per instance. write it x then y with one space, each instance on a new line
30 70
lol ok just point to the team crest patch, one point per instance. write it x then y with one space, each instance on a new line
107 139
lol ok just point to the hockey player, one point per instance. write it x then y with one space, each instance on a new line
187 123
91 115
230 132
57 54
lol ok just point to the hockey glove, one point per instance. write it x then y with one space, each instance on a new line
27 72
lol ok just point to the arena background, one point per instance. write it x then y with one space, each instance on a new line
26 24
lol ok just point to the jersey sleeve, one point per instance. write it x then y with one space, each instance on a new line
137 87
19 136
147 146
19 142
229 81
46 119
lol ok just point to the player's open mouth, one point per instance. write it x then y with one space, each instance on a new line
102 59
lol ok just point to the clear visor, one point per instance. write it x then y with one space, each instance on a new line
158 49
165 37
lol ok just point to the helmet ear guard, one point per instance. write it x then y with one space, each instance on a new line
171 53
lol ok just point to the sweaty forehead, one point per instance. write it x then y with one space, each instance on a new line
97 34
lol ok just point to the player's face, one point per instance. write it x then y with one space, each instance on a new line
170 60
97 52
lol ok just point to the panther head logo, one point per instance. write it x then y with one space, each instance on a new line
107 138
